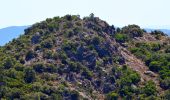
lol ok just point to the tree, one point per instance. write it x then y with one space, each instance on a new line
29 76
118 30
91 16
68 17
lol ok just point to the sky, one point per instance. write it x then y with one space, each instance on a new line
146 13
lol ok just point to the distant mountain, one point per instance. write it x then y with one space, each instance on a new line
166 31
9 33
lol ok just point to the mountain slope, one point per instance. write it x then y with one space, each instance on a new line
72 58
9 33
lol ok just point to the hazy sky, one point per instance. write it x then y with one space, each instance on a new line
145 13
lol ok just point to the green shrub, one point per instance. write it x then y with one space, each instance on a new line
55 96
155 66
134 77
132 31
155 46
150 88
165 73
112 96
121 37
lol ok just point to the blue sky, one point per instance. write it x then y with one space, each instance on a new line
146 13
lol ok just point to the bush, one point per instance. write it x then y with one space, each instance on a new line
12 73
68 17
69 34
30 54
29 76
132 31
134 50
165 83
165 73
48 54
167 95
150 88
48 43
135 78
8 63
51 68
87 74
53 27
15 93
155 66
55 96
167 50
19 67
96 41
112 96
68 45
75 95
157 32
39 67
74 67
1 75
155 47
121 38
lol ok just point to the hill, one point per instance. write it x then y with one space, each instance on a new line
9 33
69 58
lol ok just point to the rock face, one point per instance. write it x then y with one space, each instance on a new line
72 58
